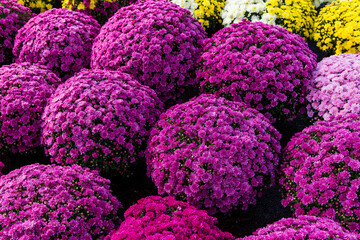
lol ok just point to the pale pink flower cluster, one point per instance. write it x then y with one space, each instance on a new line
334 89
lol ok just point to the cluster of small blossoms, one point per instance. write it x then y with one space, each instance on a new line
101 10
59 39
24 93
334 89
213 153
253 10
12 17
263 65
297 16
154 218
206 11
156 41
39 6
56 202
321 3
337 27
303 227
100 119
322 171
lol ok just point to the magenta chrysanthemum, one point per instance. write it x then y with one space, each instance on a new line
322 171
213 153
303 227
154 218
334 87
24 92
156 41
59 39
56 202
13 16
100 119
263 65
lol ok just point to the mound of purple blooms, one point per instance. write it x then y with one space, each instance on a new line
334 89
59 39
56 202
322 171
158 42
154 218
13 16
24 92
262 65
100 119
213 153
303 227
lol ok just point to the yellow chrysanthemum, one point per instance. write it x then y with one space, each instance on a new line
337 28
206 11
101 10
209 11
38 6
296 15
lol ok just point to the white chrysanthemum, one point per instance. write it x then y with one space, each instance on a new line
190 5
317 3
254 10
268 18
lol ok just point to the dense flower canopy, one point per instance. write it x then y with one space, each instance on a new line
49 201
337 27
322 171
254 10
12 17
154 218
59 39
213 153
297 16
333 89
157 42
24 93
265 66
100 119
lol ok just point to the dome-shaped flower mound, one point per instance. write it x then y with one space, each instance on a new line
254 10
298 16
59 39
39 6
12 17
101 10
206 11
334 88
265 66
154 218
213 153
322 171
156 41
337 27
303 227
56 202
100 119
24 93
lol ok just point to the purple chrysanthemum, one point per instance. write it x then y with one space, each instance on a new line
213 153
59 39
157 42
265 66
